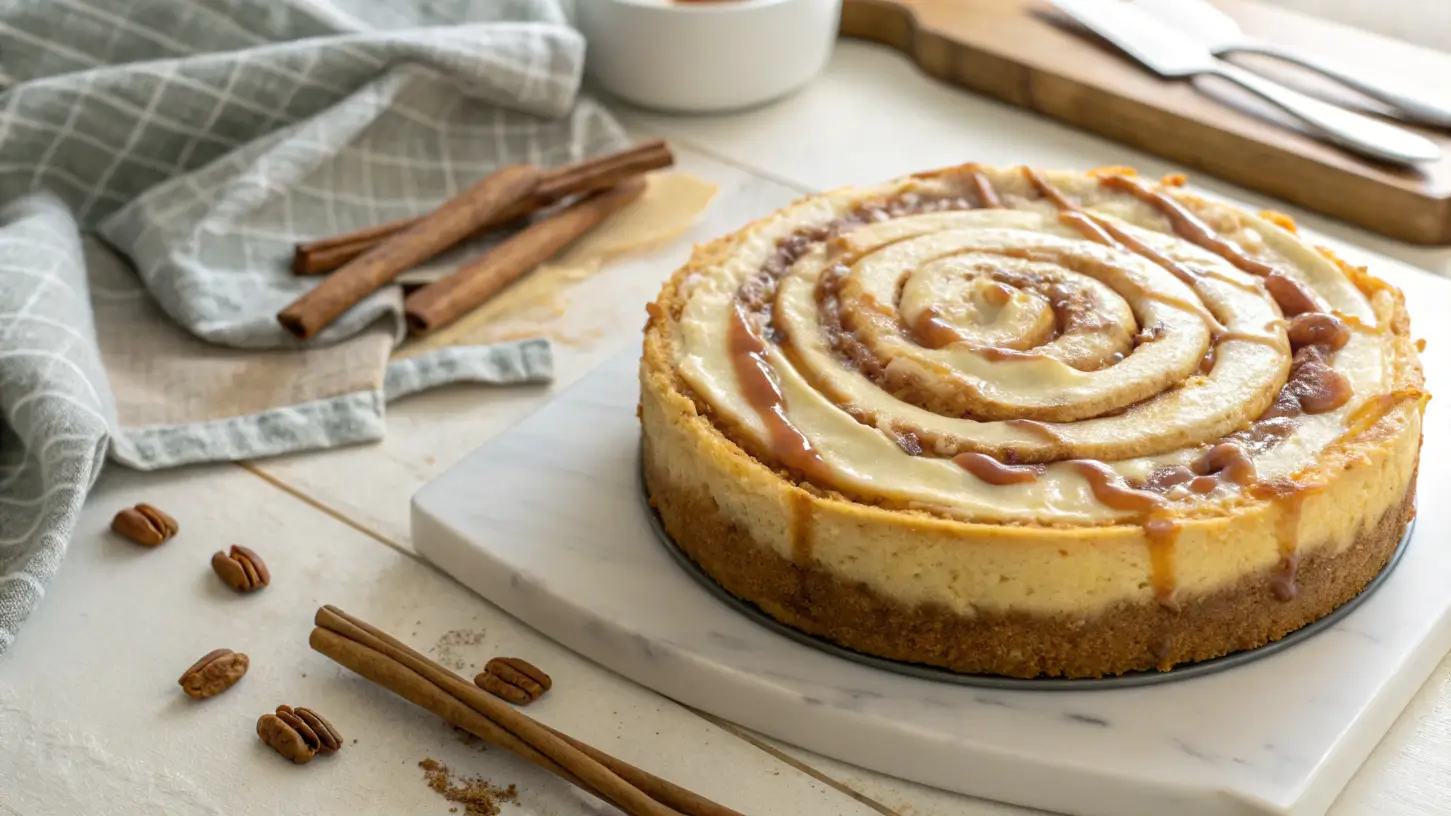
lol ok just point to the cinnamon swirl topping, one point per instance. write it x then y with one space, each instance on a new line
1030 347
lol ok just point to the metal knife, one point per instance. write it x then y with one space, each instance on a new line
1171 54
1219 33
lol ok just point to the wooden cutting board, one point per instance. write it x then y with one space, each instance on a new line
1026 53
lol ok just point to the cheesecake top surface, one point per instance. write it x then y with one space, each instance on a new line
1012 345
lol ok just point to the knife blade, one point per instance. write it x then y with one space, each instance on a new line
1171 54
1221 34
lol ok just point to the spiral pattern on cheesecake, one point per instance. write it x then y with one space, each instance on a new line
1014 346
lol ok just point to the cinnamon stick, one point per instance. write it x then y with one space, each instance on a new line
387 661
440 229
588 176
414 688
445 300
336 620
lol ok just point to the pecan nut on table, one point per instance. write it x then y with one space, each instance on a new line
144 525
517 681
241 569
298 734
217 671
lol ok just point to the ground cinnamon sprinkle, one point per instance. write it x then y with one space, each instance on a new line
477 795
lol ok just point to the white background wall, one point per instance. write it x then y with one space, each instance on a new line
1424 22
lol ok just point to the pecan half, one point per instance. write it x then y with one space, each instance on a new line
328 738
284 739
216 672
512 679
241 569
144 525
298 733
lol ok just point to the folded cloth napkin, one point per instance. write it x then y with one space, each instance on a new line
157 162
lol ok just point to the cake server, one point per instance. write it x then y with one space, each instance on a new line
1170 54
1219 33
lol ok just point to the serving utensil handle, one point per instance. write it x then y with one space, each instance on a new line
1351 130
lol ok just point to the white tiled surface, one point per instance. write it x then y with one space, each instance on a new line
90 721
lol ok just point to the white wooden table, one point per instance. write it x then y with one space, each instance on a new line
91 720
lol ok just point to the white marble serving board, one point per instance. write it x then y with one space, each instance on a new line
545 520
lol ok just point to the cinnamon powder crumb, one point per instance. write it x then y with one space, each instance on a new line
477 795
445 648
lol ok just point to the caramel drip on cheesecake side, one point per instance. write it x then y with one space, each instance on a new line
1288 497
1160 528
1163 532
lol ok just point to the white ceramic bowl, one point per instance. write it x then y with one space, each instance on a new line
698 57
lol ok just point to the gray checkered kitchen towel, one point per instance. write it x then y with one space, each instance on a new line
200 139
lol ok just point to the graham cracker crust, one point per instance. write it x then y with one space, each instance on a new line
1125 638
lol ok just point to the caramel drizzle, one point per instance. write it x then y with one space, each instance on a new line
996 473
1373 410
1293 296
987 197
1160 528
1230 461
1251 286
1109 234
1101 231
1288 497
931 331
998 294
1188 225
1216 329
788 444
1163 532
1318 328
1353 321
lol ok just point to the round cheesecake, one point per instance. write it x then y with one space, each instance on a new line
1031 423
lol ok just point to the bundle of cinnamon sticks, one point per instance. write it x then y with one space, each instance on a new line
569 201
386 661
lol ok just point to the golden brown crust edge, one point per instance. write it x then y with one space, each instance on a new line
1128 637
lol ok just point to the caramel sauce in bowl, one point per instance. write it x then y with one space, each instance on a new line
697 57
